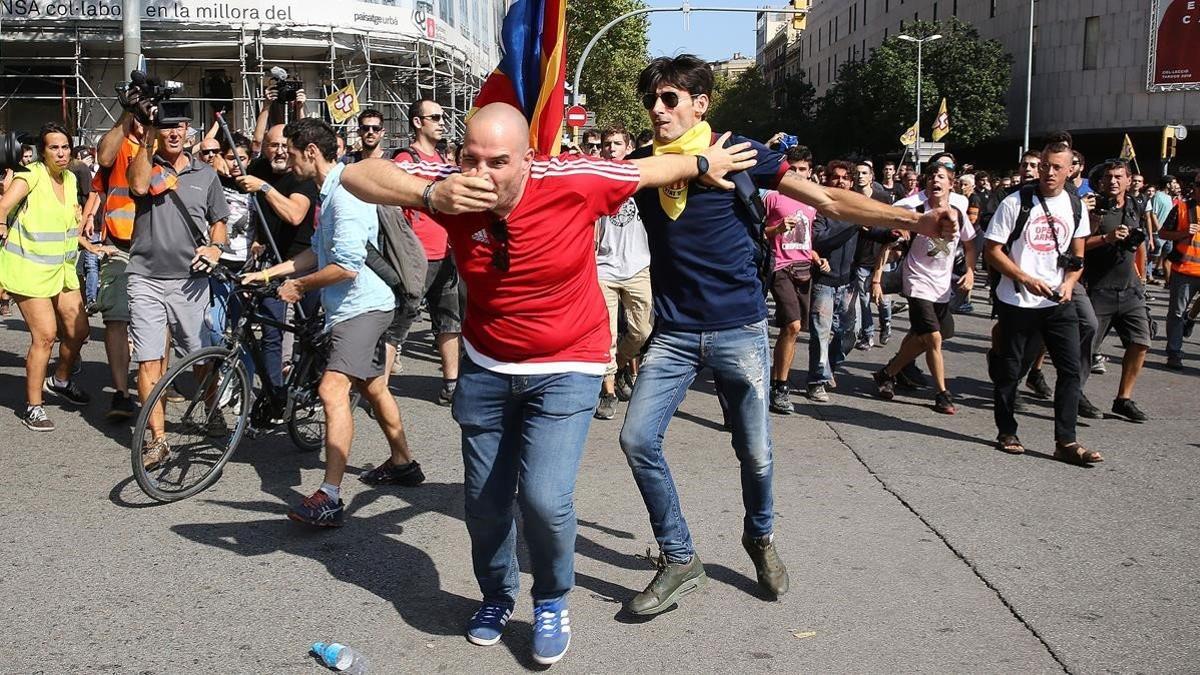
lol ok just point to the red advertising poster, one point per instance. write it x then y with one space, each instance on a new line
1175 45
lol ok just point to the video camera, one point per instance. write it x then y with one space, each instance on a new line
286 88
10 152
147 98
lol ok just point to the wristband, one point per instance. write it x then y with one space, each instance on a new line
427 197
266 277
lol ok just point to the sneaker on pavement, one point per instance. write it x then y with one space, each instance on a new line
319 509
911 376
155 453
817 393
781 400
863 345
772 575
885 384
35 419
408 475
173 395
397 366
624 384
487 624
1126 408
121 407
69 392
446 395
1086 409
1098 361
1175 362
965 308
1036 383
551 631
606 408
944 403
884 336
670 583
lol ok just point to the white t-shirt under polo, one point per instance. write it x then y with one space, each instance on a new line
1034 251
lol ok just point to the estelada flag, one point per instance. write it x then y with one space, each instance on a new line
343 103
1127 152
941 123
533 69
909 136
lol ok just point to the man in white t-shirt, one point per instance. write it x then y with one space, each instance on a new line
1041 265
623 265
927 271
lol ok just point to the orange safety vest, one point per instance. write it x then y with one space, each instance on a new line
1188 249
118 203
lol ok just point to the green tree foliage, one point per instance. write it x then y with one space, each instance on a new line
874 101
747 106
610 75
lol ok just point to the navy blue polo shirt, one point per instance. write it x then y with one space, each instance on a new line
703 266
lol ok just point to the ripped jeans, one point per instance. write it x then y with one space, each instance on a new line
740 360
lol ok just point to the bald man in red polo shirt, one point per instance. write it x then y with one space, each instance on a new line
535 335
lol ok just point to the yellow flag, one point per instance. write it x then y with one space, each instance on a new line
1127 152
343 103
909 136
941 124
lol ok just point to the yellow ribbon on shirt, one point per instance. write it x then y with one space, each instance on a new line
694 141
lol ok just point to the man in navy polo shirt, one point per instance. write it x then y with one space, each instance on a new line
711 312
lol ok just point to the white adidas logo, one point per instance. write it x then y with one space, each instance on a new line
480 236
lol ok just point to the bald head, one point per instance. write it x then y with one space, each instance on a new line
496 146
499 123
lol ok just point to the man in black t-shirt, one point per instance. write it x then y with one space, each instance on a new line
288 205
1112 281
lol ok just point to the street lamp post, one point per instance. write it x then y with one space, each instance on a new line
920 42
1029 75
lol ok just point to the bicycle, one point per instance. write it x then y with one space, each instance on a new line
215 386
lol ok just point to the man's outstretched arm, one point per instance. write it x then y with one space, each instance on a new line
663 170
380 181
850 206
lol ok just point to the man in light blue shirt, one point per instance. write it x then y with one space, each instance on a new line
1161 204
358 310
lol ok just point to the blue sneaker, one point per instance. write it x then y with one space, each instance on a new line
551 631
487 625
320 510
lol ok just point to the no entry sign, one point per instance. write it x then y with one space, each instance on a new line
576 116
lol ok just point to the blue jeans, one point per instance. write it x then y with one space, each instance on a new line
88 269
272 338
740 359
522 438
224 307
830 330
862 289
1183 288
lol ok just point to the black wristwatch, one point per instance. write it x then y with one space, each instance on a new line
701 165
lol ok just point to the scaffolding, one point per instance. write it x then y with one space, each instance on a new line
68 72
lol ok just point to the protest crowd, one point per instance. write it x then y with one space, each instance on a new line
593 285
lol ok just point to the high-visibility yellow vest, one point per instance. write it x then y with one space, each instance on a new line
38 260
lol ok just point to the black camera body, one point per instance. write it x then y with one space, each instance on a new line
1136 238
10 152
1070 263
143 88
287 90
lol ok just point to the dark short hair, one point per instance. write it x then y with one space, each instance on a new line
616 130
839 164
49 128
311 131
865 162
1032 153
1063 137
592 133
1165 181
369 112
798 153
414 110
686 72
982 175
644 136
240 140
1116 164
1079 156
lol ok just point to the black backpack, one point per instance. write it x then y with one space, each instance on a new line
1027 192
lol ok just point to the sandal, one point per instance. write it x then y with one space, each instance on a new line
1010 443
1074 453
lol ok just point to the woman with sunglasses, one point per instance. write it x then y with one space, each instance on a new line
37 267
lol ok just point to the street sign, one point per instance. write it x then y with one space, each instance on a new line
577 116
591 119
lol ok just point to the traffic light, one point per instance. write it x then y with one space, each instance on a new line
799 21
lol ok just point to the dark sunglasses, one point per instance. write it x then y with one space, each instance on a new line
499 232
209 152
436 117
370 127
669 99
592 146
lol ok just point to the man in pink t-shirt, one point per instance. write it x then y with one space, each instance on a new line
927 273
442 293
789 226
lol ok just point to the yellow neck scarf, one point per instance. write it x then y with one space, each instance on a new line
694 141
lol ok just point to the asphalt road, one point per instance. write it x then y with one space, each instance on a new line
913 545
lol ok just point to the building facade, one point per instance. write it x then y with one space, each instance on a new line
731 67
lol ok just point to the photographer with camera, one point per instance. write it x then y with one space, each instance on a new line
1041 262
1112 280
285 100
179 232
37 267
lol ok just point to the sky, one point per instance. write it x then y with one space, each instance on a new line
713 35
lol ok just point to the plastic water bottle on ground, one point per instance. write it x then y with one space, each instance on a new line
341 658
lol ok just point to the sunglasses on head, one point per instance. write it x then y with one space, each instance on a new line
370 127
499 232
669 98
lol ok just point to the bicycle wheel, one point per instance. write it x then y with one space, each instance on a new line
306 423
201 432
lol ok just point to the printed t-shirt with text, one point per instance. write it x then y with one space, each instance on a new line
546 314
1034 251
795 245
